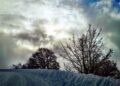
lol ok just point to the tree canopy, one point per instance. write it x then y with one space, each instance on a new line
43 59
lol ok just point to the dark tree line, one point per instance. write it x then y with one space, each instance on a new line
84 54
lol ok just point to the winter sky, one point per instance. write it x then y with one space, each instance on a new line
27 24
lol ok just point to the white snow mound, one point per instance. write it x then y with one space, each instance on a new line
35 77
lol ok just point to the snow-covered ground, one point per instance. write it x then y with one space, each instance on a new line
52 78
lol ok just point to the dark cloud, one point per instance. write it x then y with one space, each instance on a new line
8 17
116 39
28 36
37 36
110 27
12 20
34 37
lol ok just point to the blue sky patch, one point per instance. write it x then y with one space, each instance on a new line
116 5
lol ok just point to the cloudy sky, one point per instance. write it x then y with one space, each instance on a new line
26 25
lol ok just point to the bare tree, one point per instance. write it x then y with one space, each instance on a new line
85 54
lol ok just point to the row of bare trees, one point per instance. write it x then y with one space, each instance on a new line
84 54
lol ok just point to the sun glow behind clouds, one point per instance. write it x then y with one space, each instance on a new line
62 20
59 20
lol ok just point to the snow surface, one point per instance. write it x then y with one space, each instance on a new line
52 78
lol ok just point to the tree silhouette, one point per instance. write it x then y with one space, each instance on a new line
19 66
85 55
43 59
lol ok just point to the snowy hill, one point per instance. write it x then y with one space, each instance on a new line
52 78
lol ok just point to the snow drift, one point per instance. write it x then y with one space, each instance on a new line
52 78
